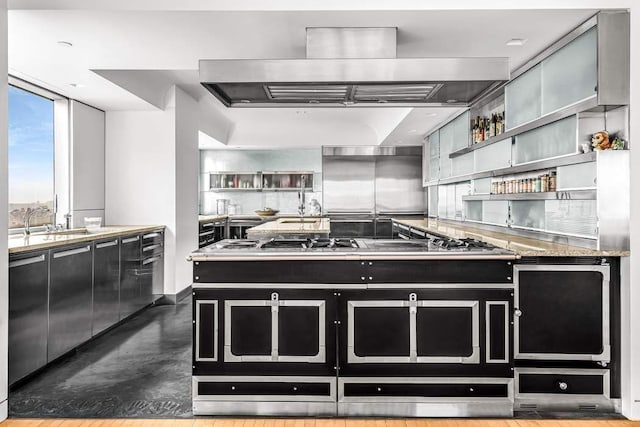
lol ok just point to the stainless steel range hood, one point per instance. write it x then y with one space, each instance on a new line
351 67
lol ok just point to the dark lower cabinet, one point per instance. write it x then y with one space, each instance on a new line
70 299
28 298
343 228
130 296
106 284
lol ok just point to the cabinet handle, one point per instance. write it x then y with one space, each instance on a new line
150 235
71 252
150 260
150 248
563 385
210 224
131 239
106 245
517 312
26 261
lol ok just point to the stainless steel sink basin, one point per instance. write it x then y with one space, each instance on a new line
299 221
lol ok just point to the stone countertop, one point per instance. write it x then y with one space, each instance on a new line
293 226
19 243
522 246
202 218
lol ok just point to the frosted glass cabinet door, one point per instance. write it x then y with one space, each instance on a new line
433 141
446 142
495 212
553 140
570 74
492 157
461 131
522 98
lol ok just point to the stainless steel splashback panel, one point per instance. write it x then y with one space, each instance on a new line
398 186
348 184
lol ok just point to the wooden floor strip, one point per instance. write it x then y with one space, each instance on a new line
311 422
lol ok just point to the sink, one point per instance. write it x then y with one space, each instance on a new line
299 221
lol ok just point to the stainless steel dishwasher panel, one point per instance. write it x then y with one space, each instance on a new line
70 299
28 286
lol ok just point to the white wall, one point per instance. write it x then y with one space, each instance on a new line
187 159
140 173
631 290
87 162
4 256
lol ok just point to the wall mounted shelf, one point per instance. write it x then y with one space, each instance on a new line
549 195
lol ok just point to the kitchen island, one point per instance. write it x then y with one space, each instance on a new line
360 327
301 227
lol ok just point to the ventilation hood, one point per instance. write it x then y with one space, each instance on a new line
351 67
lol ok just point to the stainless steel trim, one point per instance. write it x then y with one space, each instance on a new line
281 256
613 64
412 305
361 70
199 303
131 239
150 260
274 355
562 42
151 247
570 159
496 408
265 409
351 220
26 261
488 331
279 285
70 252
605 356
555 195
265 398
106 244
150 235
606 383
208 224
439 286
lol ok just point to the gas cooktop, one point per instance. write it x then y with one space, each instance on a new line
431 243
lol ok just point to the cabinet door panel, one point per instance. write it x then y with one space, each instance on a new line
106 285
456 340
250 330
563 312
380 331
70 294
299 331
129 275
28 289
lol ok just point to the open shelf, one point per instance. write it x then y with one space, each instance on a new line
549 195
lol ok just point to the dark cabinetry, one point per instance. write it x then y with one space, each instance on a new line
129 276
28 294
151 267
563 335
70 299
211 231
106 284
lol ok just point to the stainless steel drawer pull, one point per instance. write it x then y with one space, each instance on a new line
106 245
150 235
150 260
26 261
150 248
209 224
72 252
131 239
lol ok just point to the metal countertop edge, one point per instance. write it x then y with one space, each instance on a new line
350 257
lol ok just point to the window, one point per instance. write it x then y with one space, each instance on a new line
31 158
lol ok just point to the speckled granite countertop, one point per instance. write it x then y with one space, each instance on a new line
202 218
523 246
19 243
293 226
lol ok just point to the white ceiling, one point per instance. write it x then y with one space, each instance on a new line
165 46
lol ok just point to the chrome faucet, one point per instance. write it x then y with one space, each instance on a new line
28 215
301 197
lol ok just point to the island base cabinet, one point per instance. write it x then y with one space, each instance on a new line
106 284
70 299
28 289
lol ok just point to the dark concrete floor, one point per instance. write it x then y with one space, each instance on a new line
141 368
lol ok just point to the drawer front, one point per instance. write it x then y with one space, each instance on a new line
152 238
576 383
308 271
264 388
416 389
441 271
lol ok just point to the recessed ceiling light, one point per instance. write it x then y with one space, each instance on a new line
245 101
65 43
412 131
431 114
451 101
76 84
516 42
